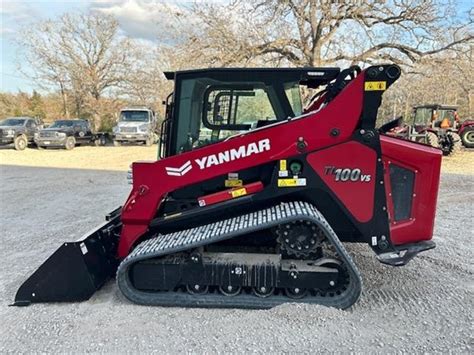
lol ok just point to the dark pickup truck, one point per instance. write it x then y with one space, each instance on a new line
66 134
18 131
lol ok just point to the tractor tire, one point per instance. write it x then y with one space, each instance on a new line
455 143
21 142
467 137
432 139
70 143
117 144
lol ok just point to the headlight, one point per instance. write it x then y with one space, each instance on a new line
10 133
115 129
60 134
143 127
36 135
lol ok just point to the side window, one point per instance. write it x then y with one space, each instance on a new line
30 124
294 97
231 111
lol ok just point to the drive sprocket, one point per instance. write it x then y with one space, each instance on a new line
300 239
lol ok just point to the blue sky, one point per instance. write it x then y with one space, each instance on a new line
15 15
137 18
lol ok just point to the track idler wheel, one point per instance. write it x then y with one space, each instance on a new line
197 289
263 291
230 290
296 293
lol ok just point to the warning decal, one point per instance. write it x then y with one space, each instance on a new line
233 183
238 192
375 85
292 182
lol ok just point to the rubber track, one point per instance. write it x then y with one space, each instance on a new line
229 228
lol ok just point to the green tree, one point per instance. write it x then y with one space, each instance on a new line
36 105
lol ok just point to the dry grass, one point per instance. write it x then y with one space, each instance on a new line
120 158
461 163
97 158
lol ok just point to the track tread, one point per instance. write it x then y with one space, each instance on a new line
225 229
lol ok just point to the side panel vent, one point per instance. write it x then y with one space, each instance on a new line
402 181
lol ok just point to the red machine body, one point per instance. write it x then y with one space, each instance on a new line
425 162
151 182
257 218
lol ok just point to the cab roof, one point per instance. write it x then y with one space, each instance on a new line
437 107
310 76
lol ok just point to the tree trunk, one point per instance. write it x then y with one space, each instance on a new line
96 109
64 99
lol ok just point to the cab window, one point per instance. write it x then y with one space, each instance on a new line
422 116
293 93
210 111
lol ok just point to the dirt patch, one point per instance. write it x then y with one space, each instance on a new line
120 158
96 158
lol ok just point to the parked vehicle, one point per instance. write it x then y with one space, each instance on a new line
466 132
435 125
136 125
66 134
19 131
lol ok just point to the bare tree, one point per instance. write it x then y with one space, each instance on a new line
146 85
322 32
444 79
80 53
45 67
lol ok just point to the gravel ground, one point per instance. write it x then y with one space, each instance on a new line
426 306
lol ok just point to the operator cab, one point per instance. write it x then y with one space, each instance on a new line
210 105
435 116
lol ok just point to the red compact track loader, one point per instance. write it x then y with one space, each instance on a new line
253 195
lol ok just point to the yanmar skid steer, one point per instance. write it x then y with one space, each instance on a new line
253 195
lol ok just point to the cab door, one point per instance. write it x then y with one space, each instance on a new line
31 129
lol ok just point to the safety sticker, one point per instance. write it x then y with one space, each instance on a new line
295 182
375 85
238 192
233 183
283 172
232 176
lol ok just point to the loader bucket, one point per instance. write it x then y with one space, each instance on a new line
76 269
